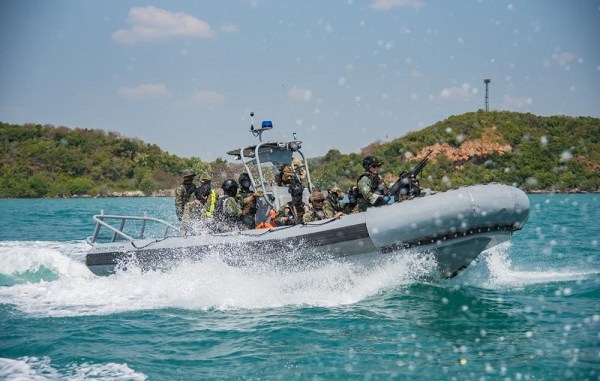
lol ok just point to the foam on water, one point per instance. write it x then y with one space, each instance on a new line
37 261
494 270
73 290
206 284
41 369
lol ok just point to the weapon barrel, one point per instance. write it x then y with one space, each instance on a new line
419 167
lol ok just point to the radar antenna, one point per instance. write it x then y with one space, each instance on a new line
487 94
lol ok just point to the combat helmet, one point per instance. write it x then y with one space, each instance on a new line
316 196
370 161
337 191
189 173
244 178
230 187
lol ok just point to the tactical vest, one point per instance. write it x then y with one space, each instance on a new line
297 211
375 181
189 191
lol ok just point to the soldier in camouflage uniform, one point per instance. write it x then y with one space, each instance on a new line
229 212
247 200
291 213
370 186
198 212
317 210
287 174
184 192
334 200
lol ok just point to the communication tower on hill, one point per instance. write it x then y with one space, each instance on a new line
487 94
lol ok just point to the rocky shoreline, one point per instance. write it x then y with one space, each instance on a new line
136 193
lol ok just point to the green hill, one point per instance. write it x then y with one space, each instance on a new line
536 153
556 153
47 161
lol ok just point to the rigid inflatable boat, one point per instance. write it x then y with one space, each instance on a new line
454 226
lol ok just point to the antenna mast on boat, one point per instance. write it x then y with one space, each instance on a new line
266 125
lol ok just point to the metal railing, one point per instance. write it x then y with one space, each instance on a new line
118 232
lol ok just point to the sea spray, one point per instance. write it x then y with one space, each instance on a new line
211 283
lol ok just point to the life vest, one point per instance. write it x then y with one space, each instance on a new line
212 202
269 223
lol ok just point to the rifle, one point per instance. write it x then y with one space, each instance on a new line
407 185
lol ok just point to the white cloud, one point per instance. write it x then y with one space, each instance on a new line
144 91
300 94
563 58
229 28
151 23
517 102
201 98
384 5
465 92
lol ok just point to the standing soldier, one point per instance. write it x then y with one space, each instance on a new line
199 210
184 192
246 199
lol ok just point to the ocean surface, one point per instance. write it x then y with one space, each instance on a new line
527 310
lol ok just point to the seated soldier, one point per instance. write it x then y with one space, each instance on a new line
228 211
316 211
334 200
370 186
291 213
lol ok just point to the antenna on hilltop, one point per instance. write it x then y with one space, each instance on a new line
487 94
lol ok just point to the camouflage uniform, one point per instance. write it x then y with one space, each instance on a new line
290 214
352 205
229 214
246 200
197 216
287 174
370 188
316 210
183 193
334 201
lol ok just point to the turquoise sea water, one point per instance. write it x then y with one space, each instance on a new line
528 310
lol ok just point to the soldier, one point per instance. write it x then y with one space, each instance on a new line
198 212
317 211
334 200
184 192
287 174
247 200
370 186
228 211
292 212
352 205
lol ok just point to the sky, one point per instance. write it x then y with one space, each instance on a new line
185 75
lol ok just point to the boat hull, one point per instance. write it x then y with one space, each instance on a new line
454 226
